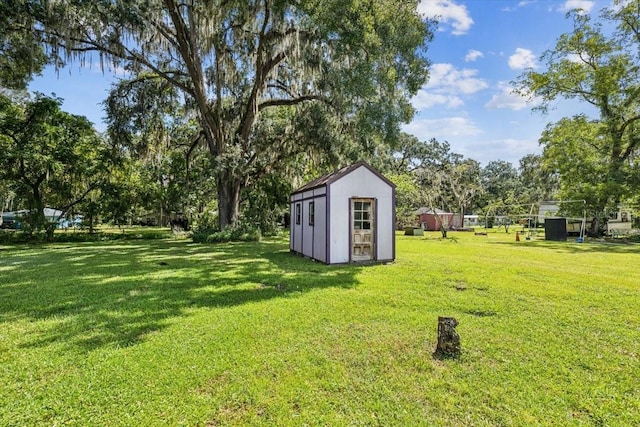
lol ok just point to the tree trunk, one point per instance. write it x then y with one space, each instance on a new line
448 339
441 226
596 224
36 211
228 201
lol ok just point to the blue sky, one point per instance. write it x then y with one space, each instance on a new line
478 48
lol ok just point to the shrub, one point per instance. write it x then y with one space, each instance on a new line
11 237
240 233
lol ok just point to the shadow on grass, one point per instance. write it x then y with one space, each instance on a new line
572 246
590 245
87 296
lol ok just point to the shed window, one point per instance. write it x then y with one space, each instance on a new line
311 212
298 214
362 215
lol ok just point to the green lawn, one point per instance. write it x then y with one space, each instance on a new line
167 332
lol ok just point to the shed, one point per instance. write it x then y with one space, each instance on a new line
345 216
555 229
427 218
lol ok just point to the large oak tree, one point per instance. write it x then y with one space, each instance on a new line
233 60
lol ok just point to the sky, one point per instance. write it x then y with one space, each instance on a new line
479 47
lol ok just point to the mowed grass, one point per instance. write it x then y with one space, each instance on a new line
167 332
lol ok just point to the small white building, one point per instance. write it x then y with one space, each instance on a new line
471 221
345 216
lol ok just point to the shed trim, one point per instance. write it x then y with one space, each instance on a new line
317 196
393 219
328 179
327 227
350 234
313 230
375 230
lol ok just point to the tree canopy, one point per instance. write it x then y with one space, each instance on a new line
48 156
354 64
21 52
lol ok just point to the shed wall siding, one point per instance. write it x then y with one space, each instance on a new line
292 235
320 230
307 230
296 229
306 239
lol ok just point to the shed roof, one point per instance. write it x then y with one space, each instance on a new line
48 212
430 211
329 178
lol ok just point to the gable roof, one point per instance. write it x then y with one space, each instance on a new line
329 178
430 211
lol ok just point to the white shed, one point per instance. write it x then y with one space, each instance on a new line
345 216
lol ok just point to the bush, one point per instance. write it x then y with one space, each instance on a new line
240 233
11 237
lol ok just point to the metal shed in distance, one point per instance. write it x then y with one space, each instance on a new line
345 216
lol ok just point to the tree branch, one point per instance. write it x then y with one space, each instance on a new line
188 50
294 101
633 143
88 45
89 189
192 147
262 70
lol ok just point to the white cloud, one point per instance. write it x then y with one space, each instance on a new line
575 58
523 58
585 5
473 55
508 149
523 3
467 139
446 128
446 87
425 99
447 11
445 78
508 99
618 6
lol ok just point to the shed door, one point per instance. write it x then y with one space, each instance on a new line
362 226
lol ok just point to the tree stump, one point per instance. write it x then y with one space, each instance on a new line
448 338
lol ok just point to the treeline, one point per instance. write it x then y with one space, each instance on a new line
226 107
50 158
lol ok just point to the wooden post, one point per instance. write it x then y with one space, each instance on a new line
448 338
